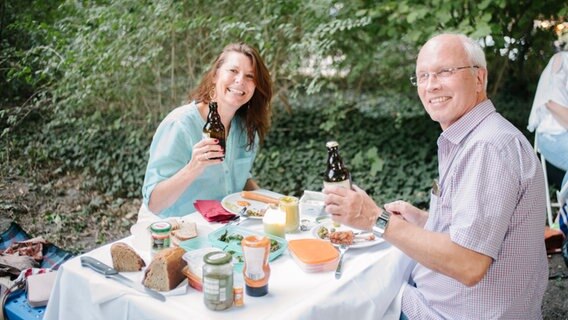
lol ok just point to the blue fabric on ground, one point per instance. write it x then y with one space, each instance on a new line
53 256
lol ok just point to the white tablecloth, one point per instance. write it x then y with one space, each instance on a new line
369 289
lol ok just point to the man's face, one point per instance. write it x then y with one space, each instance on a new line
448 99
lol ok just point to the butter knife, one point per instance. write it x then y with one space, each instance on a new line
109 272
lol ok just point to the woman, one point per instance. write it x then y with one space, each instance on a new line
182 168
549 114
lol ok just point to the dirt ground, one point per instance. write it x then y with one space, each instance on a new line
79 220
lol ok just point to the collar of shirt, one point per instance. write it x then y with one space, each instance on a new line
460 129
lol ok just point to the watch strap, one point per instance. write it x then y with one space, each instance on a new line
381 223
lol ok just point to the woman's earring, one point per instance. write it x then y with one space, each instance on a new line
212 93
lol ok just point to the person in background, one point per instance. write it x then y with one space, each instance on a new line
549 114
180 168
479 250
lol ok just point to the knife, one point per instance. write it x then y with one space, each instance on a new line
109 272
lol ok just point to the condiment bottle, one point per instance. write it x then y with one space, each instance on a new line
238 290
274 221
336 173
256 270
290 206
218 280
213 127
160 232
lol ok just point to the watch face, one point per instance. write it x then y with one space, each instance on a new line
381 223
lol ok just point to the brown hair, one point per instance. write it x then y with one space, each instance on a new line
255 116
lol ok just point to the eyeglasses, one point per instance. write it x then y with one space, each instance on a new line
422 77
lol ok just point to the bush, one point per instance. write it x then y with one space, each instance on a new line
390 155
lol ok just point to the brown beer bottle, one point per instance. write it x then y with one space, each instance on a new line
337 174
213 127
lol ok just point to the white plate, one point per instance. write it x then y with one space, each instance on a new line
359 241
229 203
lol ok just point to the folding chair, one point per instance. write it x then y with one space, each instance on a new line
562 194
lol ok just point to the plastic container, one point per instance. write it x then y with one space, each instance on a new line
18 308
311 204
314 255
194 269
234 244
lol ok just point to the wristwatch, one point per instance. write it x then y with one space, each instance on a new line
381 223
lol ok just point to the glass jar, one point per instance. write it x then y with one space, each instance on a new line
290 205
160 232
218 280
274 221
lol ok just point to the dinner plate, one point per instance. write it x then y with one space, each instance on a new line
359 241
230 204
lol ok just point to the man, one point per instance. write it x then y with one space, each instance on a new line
479 250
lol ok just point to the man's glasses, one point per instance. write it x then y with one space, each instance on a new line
422 77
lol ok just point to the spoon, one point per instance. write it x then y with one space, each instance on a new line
342 249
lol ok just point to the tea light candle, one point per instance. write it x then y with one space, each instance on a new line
274 222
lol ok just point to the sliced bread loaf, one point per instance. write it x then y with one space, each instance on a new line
125 258
165 271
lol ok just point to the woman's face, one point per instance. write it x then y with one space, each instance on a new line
234 81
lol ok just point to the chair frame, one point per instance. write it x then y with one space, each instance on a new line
549 203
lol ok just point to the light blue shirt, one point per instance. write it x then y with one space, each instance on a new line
171 150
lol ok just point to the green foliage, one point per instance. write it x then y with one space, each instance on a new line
388 161
85 83
506 28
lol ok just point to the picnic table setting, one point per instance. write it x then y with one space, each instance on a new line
254 255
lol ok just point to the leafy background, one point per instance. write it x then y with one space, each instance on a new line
84 85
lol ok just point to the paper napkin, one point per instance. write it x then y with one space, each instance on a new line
212 211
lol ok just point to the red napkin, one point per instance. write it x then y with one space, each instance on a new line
212 211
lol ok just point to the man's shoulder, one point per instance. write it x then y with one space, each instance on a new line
496 126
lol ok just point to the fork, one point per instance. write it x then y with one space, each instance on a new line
243 215
342 249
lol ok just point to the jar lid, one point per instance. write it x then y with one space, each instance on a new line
288 200
217 258
160 226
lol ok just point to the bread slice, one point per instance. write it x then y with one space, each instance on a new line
165 271
125 258
187 230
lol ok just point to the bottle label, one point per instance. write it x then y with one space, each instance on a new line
254 259
343 184
216 288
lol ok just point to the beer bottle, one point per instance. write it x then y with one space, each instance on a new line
336 174
213 127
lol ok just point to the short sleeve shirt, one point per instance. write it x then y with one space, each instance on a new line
492 201
171 150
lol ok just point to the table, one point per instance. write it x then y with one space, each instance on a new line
370 288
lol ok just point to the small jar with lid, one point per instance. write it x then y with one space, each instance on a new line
290 205
218 280
160 236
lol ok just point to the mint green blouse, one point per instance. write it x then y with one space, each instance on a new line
171 150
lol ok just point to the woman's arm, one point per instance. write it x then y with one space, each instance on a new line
559 112
168 191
